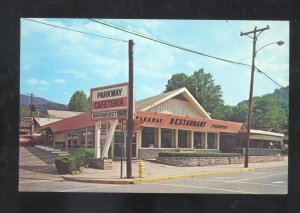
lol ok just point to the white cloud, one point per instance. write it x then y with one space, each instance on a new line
75 73
32 81
43 83
59 81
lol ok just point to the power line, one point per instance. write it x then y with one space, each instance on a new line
175 46
166 43
77 31
268 77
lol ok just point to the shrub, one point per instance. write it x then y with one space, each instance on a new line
65 165
73 162
197 154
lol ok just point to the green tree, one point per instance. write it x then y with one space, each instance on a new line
177 81
267 113
223 112
79 102
201 85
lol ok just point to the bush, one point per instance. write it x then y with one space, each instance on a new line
73 162
197 154
65 165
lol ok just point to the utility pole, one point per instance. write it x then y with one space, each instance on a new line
31 113
255 35
130 111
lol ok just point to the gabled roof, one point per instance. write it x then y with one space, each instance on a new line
61 114
76 122
148 103
45 121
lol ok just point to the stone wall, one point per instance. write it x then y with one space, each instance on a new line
209 161
149 153
105 164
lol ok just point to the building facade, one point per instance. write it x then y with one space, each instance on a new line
169 121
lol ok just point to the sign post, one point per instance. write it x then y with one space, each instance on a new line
107 103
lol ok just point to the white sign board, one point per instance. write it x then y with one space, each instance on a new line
109 102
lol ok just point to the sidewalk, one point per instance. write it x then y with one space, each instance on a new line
154 172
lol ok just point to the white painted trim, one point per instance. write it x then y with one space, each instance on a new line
192 139
176 138
109 138
159 137
218 141
189 96
97 139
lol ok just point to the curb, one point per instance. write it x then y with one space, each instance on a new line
157 179
149 180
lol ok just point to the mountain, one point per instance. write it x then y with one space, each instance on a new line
41 103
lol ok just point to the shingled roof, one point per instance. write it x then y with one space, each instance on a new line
60 114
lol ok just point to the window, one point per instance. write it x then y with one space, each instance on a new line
198 140
147 137
182 138
212 141
166 141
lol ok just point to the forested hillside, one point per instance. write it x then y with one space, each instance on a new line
41 103
270 110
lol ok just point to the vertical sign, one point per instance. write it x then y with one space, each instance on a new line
109 102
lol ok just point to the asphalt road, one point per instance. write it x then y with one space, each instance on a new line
37 173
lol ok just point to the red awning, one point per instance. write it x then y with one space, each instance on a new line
150 119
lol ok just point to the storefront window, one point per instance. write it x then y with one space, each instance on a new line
182 139
148 137
212 141
166 140
198 140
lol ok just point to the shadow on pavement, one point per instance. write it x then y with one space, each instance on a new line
44 156
39 169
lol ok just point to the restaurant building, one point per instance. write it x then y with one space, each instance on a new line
169 121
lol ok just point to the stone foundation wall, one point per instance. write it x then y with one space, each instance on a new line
209 161
153 153
101 164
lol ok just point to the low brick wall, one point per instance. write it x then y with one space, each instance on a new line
149 153
209 161
101 164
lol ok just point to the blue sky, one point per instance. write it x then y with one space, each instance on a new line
55 63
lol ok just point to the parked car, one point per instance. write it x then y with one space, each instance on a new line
26 140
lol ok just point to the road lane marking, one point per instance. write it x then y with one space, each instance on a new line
200 187
223 178
80 189
277 182
266 184
234 181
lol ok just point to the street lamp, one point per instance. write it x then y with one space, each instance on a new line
279 43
